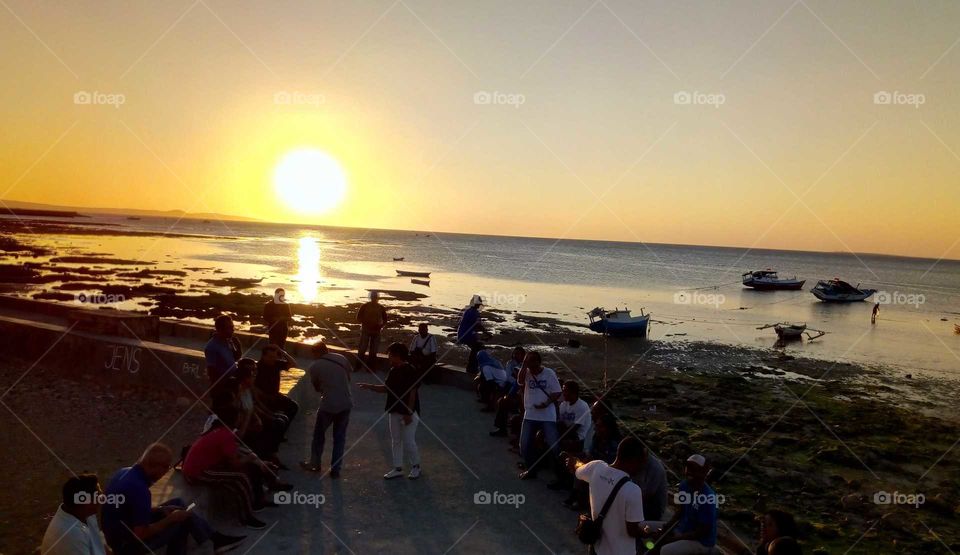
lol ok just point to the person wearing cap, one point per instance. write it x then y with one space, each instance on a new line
468 332
277 315
372 316
693 528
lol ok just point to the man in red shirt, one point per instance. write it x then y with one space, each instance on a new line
216 459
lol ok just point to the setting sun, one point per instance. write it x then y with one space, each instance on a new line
310 181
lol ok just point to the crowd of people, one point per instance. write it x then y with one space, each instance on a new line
608 475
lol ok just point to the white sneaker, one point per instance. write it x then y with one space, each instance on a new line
414 472
395 473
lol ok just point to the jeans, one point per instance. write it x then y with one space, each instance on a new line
324 420
528 432
174 537
403 440
368 342
472 366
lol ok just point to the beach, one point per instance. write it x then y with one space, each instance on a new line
781 426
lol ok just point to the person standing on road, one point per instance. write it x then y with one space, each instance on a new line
403 405
330 376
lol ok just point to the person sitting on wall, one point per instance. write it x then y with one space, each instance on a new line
132 525
73 529
258 427
274 360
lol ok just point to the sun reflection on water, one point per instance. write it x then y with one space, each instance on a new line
308 269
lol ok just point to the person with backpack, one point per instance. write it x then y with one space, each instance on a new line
616 502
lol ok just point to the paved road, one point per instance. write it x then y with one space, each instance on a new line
363 513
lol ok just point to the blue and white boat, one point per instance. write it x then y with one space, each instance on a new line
618 323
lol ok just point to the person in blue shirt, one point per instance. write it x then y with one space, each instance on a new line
468 332
693 528
132 525
222 351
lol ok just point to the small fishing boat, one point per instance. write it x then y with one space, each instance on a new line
768 280
790 332
405 273
838 291
420 282
618 323
396 259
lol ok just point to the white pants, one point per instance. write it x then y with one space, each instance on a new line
403 440
685 547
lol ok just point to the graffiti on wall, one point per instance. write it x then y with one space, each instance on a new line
123 357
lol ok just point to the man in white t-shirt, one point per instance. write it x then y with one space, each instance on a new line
73 529
541 389
622 523
573 423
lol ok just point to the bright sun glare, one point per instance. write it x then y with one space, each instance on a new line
310 181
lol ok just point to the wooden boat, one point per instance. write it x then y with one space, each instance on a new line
618 323
396 259
791 332
420 281
768 280
405 273
838 291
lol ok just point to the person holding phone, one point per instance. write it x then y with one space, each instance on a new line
402 387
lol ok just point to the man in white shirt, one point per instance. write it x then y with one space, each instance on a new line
541 389
573 423
73 529
423 353
622 523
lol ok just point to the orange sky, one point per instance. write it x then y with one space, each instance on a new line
781 145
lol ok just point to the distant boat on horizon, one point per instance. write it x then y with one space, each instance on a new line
405 273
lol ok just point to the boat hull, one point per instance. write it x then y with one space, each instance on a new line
843 297
784 285
413 274
621 329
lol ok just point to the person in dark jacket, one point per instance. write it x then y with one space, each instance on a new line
468 332
277 315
